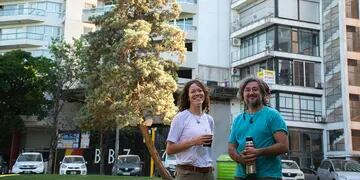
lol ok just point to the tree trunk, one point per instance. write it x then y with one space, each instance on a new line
53 140
153 153
102 153
117 143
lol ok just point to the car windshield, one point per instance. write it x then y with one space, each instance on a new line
289 165
343 165
74 160
171 157
129 159
29 157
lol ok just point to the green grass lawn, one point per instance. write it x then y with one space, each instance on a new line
69 177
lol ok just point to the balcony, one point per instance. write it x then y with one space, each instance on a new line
21 16
21 40
190 31
238 4
87 13
190 59
188 6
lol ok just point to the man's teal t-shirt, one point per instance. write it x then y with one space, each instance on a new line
261 126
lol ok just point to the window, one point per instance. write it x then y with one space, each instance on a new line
355 136
285 72
352 9
185 73
354 107
189 46
284 40
309 10
262 42
353 38
336 140
295 41
296 107
310 74
302 10
298 73
288 9
354 72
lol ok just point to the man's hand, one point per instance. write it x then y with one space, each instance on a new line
246 158
243 157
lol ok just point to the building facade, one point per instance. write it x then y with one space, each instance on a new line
299 48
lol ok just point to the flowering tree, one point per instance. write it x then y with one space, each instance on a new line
129 79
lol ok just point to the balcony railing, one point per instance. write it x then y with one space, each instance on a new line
241 22
22 11
98 11
24 35
186 27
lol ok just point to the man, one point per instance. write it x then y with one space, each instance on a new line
267 128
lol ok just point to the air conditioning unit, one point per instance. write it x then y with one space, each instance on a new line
318 85
235 72
319 119
236 42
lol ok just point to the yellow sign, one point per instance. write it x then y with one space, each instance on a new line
267 75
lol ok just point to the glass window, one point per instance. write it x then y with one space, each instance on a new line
285 72
336 140
353 38
262 42
355 136
352 9
298 73
270 37
295 42
306 42
284 35
288 9
309 74
354 107
309 11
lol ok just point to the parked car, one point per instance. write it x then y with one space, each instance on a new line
127 165
29 162
338 169
291 170
169 162
309 174
3 165
73 164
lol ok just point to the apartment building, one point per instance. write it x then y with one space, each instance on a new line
306 51
341 72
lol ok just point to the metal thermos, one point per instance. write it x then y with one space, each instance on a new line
250 168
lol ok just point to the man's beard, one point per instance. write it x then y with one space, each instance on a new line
254 104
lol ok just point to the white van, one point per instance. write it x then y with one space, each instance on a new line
29 162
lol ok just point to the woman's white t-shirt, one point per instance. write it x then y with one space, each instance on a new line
186 126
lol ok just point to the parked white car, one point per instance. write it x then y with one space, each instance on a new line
338 169
29 162
169 162
291 170
73 164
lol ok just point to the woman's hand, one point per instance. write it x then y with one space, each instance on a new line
203 139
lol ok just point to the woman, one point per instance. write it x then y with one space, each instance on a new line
190 134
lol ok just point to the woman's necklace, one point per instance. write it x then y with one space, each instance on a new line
197 117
